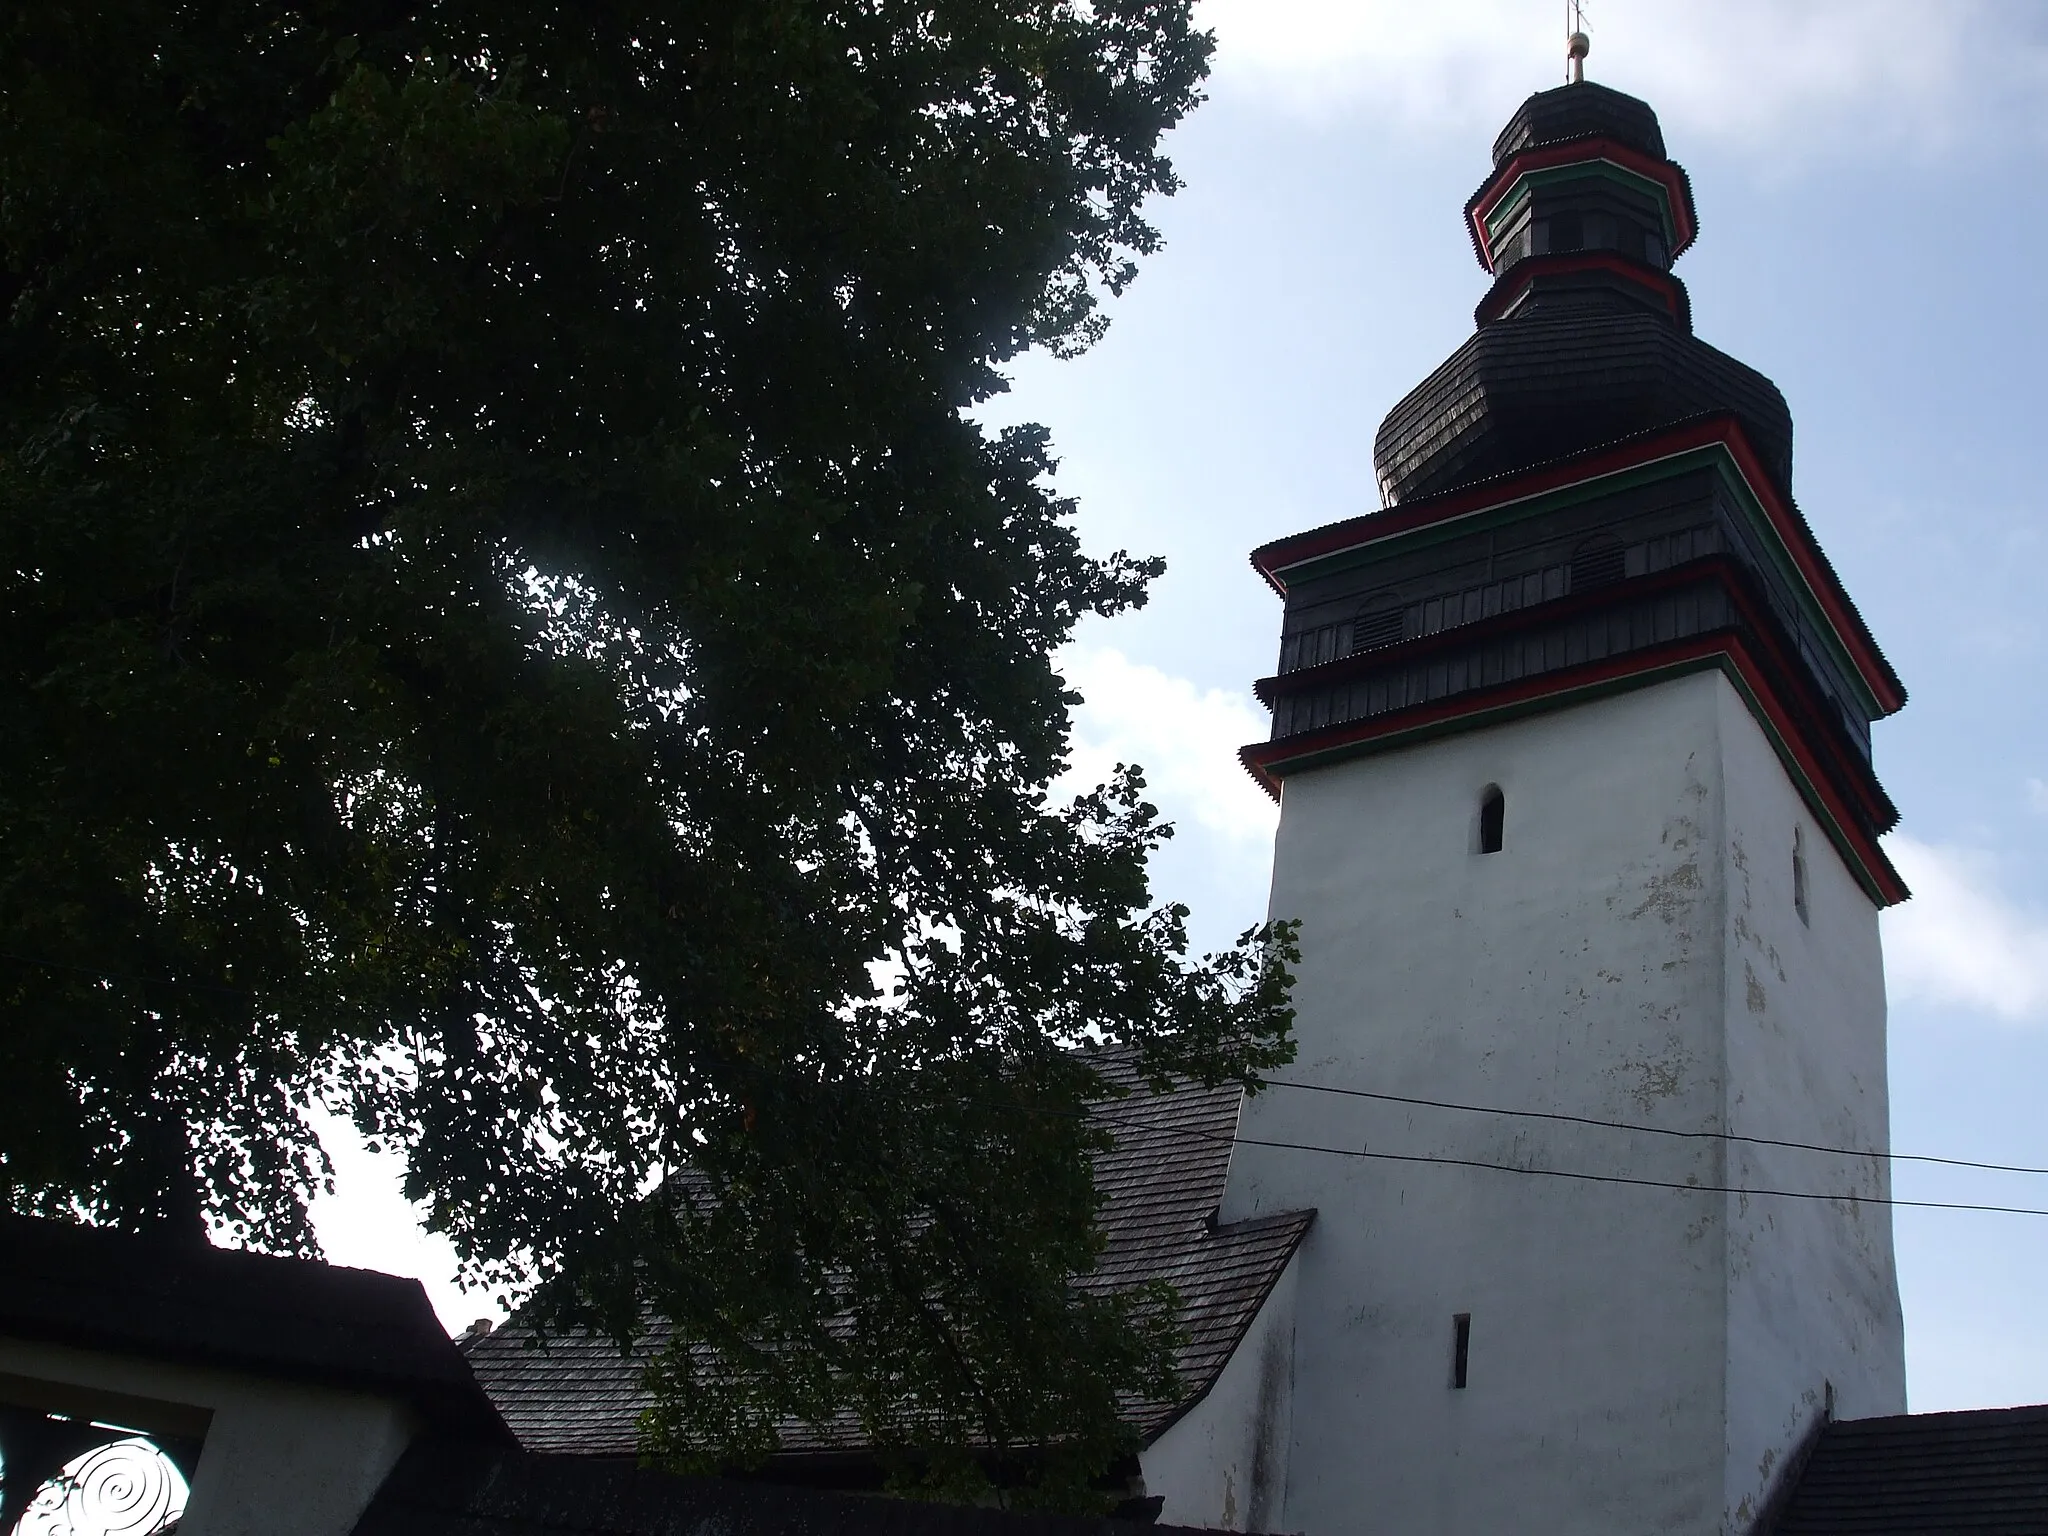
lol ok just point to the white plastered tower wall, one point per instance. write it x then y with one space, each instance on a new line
1812 1285
1640 1358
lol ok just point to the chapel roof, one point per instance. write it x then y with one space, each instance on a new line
188 1303
467 1490
1163 1180
1983 1471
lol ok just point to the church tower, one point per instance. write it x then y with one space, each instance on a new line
1571 740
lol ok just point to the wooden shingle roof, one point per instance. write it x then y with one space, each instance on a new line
1984 1473
468 1490
1580 111
577 1394
290 1319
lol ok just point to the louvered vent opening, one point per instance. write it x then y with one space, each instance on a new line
1372 630
1598 567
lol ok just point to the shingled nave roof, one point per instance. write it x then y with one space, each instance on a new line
1162 1183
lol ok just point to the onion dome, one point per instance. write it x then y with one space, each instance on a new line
1585 337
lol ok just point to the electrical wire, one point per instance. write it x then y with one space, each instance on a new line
1600 1178
1456 1162
1650 1130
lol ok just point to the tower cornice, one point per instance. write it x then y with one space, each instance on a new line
1495 203
1533 272
1728 650
1718 439
1748 612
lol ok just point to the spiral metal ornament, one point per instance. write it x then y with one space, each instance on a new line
123 1488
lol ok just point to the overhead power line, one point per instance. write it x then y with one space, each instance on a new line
1650 1130
1599 1178
1449 1104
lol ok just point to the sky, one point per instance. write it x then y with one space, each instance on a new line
1866 174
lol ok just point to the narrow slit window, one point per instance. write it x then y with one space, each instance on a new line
1461 1348
1799 875
1493 819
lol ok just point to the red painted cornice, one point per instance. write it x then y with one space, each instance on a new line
1577 151
1722 570
1273 560
1268 761
1502 295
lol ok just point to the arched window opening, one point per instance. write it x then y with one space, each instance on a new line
1493 819
1799 875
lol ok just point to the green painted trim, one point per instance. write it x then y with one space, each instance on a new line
1802 782
1709 456
1780 556
1525 184
1719 661
1498 515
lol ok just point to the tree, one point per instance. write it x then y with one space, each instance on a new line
512 628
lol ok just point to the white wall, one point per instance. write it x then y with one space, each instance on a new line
1223 1464
280 1459
1813 1296
1585 970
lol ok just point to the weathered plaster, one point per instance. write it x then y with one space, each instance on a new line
1812 1293
1636 1353
1223 1464
279 1458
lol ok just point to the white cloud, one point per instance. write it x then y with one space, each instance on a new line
1185 737
1962 941
2037 796
1790 77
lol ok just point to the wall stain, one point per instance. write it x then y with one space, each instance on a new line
1269 1440
1655 1077
1671 895
1758 1001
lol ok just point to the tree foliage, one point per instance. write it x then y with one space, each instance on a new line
512 628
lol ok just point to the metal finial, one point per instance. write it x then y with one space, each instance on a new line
1576 44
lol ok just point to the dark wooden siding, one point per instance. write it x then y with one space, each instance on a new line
1479 576
1505 658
